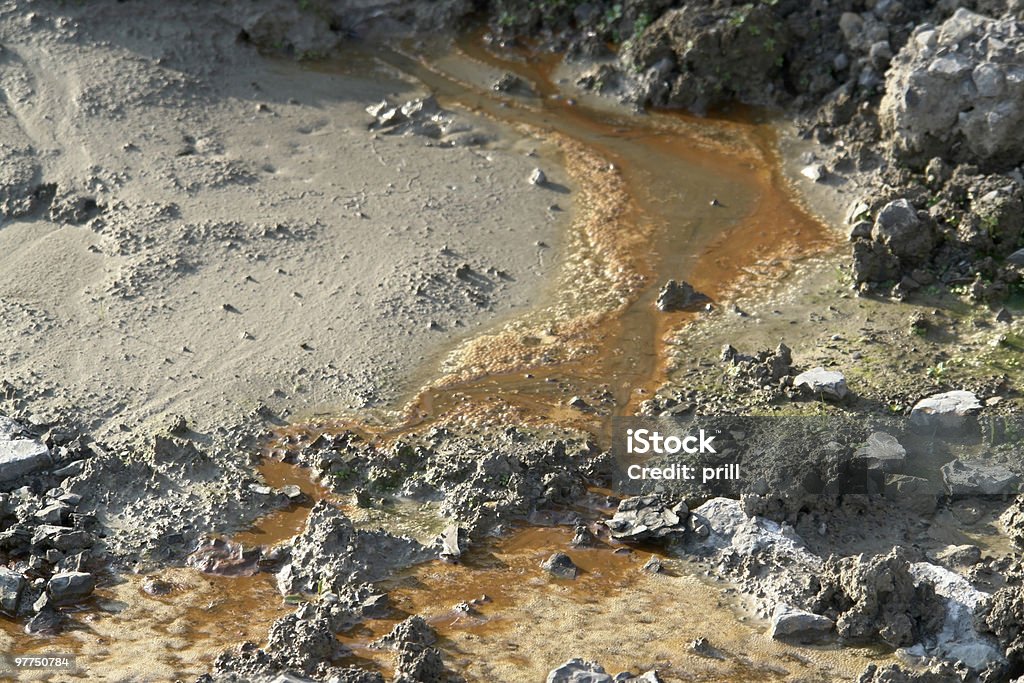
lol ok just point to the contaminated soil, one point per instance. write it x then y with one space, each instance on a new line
320 320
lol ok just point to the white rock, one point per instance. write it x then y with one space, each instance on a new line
822 382
579 671
815 172
946 410
19 457
958 639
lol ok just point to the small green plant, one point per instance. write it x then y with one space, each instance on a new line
611 17
643 20
990 224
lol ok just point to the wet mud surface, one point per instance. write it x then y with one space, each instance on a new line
491 455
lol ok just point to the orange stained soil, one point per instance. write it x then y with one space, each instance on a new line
521 622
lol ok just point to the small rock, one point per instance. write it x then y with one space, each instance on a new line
972 479
861 230
509 82
790 623
898 226
579 671
647 518
815 172
452 542
959 556
583 537
857 212
822 382
421 108
56 514
883 452
1016 258
12 585
704 648
177 424
680 296
47 621
293 493
945 411
19 457
155 586
68 588
538 177
561 566
653 565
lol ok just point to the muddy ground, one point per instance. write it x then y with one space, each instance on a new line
319 318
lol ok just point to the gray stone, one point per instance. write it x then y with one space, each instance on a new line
293 493
67 588
680 296
390 117
375 110
55 514
898 227
538 177
12 584
959 639
654 565
945 411
643 518
65 539
823 383
579 671
790 623
561 566
974 478
883 452
583 538
880 54
1016 258
860 230
958 556
46 621
19 457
